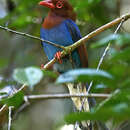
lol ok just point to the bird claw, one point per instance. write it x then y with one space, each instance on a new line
58 57
42 66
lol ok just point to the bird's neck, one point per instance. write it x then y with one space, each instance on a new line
55 17
52 20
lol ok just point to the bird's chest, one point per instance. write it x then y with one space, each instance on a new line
59 35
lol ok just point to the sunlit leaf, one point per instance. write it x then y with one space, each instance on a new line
105 40
119 39
83 75
30 76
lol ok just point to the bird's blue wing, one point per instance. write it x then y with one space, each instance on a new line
73 29
75 35
81 50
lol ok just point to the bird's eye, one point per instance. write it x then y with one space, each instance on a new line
59 4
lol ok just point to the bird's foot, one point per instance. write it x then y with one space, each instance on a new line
58 57
42 66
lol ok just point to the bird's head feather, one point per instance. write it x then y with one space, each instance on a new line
54 4
60 7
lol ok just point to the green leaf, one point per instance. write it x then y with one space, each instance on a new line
14 100
103 115
2 93
83 75
115 107
123 55
3 62
4 83
123 39
119 39
105 40
30 76
50 73
126 83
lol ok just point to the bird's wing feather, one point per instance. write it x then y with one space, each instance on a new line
75 34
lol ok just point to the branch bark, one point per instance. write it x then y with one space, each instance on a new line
3 109
10 118
31 36
68 49
60 96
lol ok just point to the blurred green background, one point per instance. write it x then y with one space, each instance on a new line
18 52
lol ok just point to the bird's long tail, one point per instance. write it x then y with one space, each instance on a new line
84 104
81 104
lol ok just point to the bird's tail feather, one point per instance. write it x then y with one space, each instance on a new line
79 88
80 103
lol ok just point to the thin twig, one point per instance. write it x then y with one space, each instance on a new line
31 36
21 108
3 109
59 96
105 52
76 125
10 118
22 88
107 99
83 40
101 61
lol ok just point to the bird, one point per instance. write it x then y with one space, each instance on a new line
59 27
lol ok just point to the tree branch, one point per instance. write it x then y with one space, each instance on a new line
10 118
33 37
3 109
59 96
87 37
68 49
105 52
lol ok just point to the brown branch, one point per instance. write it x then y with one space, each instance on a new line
23 87
59 96
31 36
87 37
3 109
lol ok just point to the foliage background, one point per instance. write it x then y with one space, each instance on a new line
18 52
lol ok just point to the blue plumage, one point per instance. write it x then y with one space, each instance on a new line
63 34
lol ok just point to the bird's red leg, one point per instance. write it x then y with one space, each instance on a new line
42 66
58 56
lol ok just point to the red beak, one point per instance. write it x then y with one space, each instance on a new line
47 3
